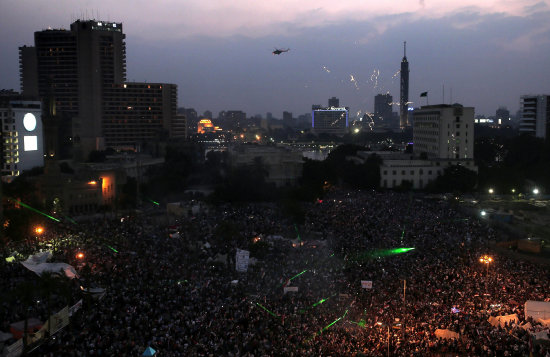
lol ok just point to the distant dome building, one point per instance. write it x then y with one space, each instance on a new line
205 126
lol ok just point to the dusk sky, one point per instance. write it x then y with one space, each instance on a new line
487 52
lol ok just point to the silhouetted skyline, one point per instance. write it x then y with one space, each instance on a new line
488 54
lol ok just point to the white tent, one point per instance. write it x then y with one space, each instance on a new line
446 334
39 269
502 320
537 309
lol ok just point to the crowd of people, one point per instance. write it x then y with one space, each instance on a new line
174 295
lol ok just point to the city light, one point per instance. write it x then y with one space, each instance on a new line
39 230
491 191
535 191
80 255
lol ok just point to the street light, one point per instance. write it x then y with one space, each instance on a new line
535 191
38 230
486 260
491 191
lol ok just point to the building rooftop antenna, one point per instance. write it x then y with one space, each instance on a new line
405 49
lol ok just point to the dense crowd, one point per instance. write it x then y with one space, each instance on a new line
178 296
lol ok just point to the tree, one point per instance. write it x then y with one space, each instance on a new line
455 178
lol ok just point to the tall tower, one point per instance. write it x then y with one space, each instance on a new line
404 90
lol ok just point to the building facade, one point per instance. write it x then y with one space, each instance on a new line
84 69
331 120
443 136
22 139
284 166
444 131
383 107
535 115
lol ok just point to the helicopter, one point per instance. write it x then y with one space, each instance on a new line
279 51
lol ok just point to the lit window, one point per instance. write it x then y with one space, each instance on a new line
30 143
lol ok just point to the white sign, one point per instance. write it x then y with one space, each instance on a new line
366 284
241 260
291 289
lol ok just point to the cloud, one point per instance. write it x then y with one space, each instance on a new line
174 19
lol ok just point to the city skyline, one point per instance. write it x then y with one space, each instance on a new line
486 55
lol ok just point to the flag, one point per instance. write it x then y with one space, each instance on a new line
424 94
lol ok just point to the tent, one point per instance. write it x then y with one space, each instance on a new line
446 334
40 268
502 320
149 352
537 309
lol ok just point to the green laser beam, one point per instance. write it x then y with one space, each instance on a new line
333 322
36 211
379 253
297 275
271 313
70 220
113 249
155 202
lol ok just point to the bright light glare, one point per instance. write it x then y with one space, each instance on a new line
536 191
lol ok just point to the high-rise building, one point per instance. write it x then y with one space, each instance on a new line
21 132
84 69
502 116
383 107
332 120
535 115
333 102
404 90
444 131
288 119
136 113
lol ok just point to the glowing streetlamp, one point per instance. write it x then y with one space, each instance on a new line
535 191
79 255
491 191
38 230
486 260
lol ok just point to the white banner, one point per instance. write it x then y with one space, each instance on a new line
241 260
16 349
59 320
366 284
75 307
293 289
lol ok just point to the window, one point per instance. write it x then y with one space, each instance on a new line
403 172
412 172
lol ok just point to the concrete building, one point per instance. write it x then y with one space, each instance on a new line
333 102
535 115
84 69
443 136
136 113
331 120
502 116
22 139
383 107
444 131
283 165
